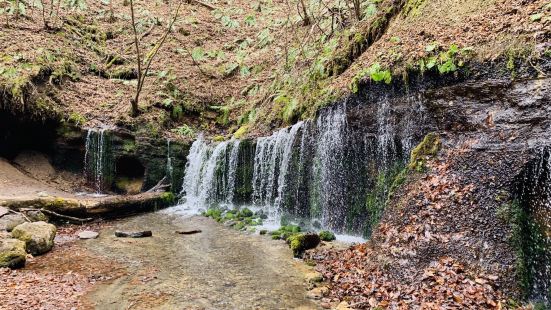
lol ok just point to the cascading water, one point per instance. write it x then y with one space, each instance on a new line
385 134
533 217
210 173
232 171
333 170
98 165
272 158
169 167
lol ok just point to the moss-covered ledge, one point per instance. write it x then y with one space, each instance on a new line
109 206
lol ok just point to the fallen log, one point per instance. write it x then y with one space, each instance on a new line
86 207
133 234
66 217
188 232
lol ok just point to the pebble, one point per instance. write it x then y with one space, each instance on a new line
88 234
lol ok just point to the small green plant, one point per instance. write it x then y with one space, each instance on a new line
76 119
184 130
446 61
375 72
326 235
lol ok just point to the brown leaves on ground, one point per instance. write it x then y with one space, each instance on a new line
57 279
431 249
444 284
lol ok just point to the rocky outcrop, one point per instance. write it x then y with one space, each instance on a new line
38 236
12 253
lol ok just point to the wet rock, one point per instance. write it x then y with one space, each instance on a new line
133 234
230 223
12 253
38 236
88 234
317 293
314 277
302 242
9 221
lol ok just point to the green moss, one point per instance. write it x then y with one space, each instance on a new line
129 146
326 235
77 119
245 212
218 138
168 197
428 148
263 232
302 242
241 132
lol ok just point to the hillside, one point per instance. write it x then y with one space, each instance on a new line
227 65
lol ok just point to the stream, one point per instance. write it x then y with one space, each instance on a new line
219 268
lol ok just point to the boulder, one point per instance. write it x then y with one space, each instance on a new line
38 236
9 221
302 242
12 253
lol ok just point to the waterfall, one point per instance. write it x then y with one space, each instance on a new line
271 163
533 214
329 166
169 167
323 170
210 173
97 162
232 171
385 134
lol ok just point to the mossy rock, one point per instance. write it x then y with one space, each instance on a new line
12 253
245 212
263 232
326 235
429 147
168 197
302 242
38 236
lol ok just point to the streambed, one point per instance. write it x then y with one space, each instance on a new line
218 268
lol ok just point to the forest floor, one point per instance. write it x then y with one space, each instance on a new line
218 268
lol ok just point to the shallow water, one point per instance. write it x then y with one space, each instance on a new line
219 268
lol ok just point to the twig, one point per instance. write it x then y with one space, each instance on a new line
208 6
71 218
158 185
22 214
